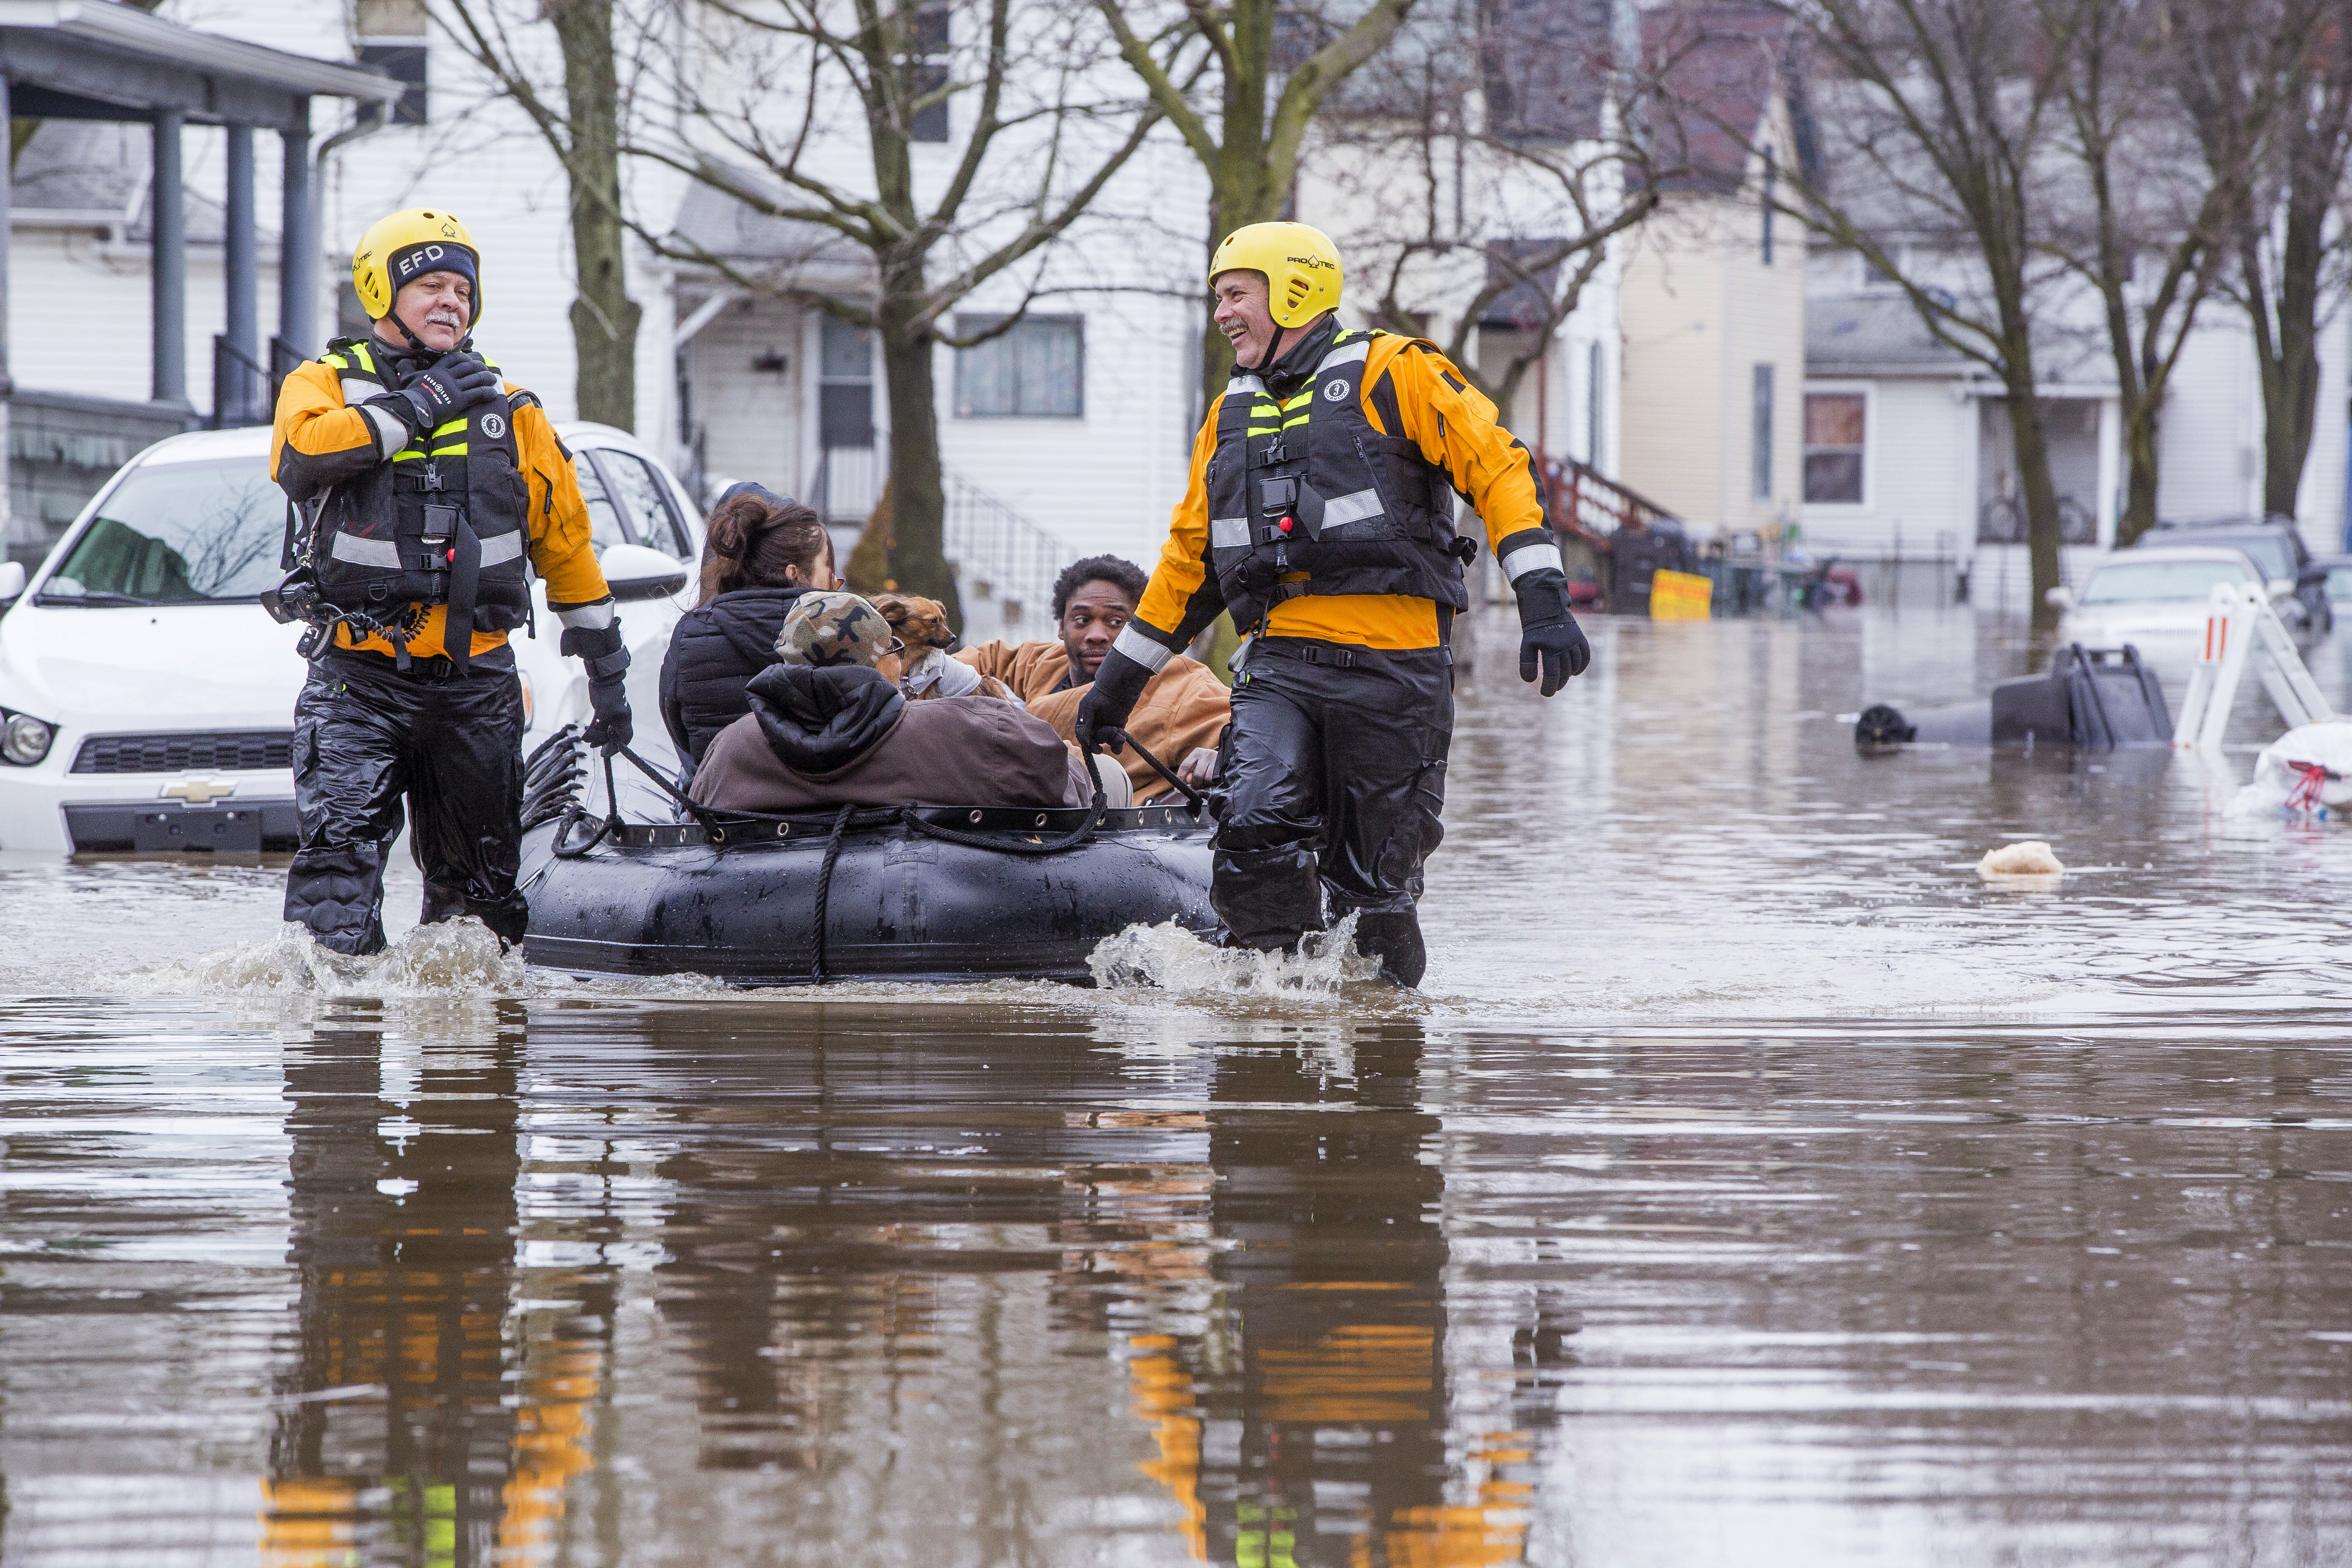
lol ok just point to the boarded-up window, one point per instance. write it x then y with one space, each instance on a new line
1836 432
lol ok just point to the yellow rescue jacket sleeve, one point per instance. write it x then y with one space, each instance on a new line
317 440
562 549
1457 428
1182 596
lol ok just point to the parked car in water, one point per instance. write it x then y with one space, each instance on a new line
147 699
2338 569
2153 598
2276 548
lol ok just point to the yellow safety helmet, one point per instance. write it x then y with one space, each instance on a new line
1300 263
408 246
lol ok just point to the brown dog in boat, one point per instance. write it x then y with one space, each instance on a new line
922 625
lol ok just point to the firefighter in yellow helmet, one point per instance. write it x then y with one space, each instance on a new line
1320 513
419 480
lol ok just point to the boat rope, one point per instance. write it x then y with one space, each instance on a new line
611 826
824 886
1192 796
715 830
558 802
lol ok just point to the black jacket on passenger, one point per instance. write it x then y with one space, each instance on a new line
715 649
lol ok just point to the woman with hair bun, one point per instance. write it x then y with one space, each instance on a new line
761 551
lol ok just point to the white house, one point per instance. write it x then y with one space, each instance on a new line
1067 436
1908 453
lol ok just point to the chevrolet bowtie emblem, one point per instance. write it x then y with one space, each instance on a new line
198 791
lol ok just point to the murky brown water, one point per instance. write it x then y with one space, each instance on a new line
1752 1185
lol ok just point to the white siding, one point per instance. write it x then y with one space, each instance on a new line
751 416
1920 478
79 314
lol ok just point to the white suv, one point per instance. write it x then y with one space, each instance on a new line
147 699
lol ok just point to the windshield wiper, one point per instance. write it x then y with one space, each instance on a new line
102 599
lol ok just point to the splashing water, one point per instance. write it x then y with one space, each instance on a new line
1172 960
452 958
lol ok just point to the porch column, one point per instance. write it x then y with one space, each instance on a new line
298 256
242 266
168 269
7 386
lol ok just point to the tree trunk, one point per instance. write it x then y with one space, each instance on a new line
1243 188
603 318
917 494
2142 470
2041 495
2287 341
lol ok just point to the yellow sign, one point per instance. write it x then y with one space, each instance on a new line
1681 596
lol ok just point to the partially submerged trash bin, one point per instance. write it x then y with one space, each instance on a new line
2098 700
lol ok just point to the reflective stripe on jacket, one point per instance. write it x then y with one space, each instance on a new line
327 446
1402 388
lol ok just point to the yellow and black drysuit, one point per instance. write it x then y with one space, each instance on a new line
419 484
1320 513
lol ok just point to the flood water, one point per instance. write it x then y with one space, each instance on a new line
1752 1182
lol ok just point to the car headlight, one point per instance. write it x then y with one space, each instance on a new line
24 739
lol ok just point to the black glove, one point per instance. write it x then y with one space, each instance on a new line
610 729
607 658
454 382
1548 634
1102 712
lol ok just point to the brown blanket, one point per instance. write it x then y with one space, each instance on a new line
1184 706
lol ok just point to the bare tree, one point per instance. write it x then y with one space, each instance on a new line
1939 123
585 136
806 115
2146 222
1479 195
2290 245
1242 82
808 111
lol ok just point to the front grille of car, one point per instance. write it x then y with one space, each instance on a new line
250 748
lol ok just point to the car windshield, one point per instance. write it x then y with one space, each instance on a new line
2339 583
178 533
2124 582
2270 552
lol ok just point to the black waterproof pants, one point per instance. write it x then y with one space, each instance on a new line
1332 785
365 736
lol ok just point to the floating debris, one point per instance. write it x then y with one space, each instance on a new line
2027 857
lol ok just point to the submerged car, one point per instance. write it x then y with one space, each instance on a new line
2298 585
2155 599
147 699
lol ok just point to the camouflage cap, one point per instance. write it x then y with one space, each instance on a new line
834 629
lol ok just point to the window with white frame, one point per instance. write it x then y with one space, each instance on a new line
1837 434
392 38
1034 369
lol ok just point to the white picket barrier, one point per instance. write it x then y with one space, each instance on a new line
2240 626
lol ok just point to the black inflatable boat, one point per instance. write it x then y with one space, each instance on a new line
896 894
2095 699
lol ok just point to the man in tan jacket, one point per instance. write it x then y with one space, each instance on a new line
1183 710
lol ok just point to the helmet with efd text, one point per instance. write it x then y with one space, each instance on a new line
401 249
1300 263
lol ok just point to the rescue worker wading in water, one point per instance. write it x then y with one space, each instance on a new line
1321 515
419 480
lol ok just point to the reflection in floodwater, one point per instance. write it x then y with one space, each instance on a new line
1753 1184
414 1428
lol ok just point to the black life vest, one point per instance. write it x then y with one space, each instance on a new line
446 521
1306 485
